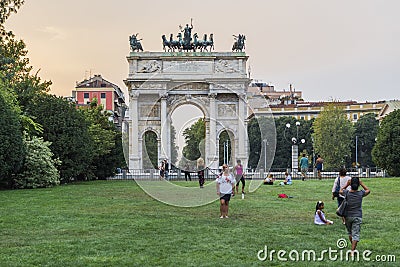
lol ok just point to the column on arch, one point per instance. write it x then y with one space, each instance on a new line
134 157
242 125
212 153
164 126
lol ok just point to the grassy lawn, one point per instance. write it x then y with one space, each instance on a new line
114 223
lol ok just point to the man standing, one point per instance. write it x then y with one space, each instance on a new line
318 166
186 171
166 168
304 166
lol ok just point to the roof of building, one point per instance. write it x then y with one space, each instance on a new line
99 82
323 103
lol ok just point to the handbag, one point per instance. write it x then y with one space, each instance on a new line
336 193
342 209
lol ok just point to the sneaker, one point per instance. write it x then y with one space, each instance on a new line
226 217
221 217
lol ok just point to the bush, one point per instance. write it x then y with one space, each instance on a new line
38 170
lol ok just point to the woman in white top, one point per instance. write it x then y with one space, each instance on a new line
340 182
225 188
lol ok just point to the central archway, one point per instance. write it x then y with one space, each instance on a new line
185 118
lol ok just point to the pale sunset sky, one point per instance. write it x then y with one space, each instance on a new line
342 49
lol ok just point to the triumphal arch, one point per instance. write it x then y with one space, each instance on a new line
160 82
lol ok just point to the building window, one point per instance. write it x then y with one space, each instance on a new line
85 95
355 116
103 95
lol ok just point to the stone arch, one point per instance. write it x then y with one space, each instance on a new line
189 100
216 83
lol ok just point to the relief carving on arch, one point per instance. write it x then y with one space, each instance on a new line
152 111
227 110
149 66
190 86
226 66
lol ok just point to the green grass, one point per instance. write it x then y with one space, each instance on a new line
114 223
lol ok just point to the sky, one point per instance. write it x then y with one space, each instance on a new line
329 50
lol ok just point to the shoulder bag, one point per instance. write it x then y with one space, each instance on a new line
336 193
342 209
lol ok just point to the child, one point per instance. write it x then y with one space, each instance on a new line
269 180
288 179
319 217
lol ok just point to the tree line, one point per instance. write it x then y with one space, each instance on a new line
340 142
45 139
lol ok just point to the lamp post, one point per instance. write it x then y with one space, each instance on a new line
295 147
265 143
356 151
226 152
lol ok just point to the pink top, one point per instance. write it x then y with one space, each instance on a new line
239 169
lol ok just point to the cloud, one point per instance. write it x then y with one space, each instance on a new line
54 33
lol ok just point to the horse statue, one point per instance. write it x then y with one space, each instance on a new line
239 44
135 43
210 42
177 44
197 43
166 43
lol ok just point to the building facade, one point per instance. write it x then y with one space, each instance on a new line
107 94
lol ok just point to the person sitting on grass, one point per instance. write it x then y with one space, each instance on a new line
269 180
288 179
319 217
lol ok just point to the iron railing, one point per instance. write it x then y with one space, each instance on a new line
258 174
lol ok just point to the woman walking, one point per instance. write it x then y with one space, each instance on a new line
354 209
225 188
340 182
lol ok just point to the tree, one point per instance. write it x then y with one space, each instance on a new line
386 152
366 130
333 137
103 134
254 135
194 138
174 147
262 138
12 149
225 140
39 168
6 8
271 136
150 150
107 152
68 131
284 135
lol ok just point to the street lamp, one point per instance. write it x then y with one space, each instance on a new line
295 147
265 143
356 151
226 152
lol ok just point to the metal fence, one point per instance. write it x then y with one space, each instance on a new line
210 174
